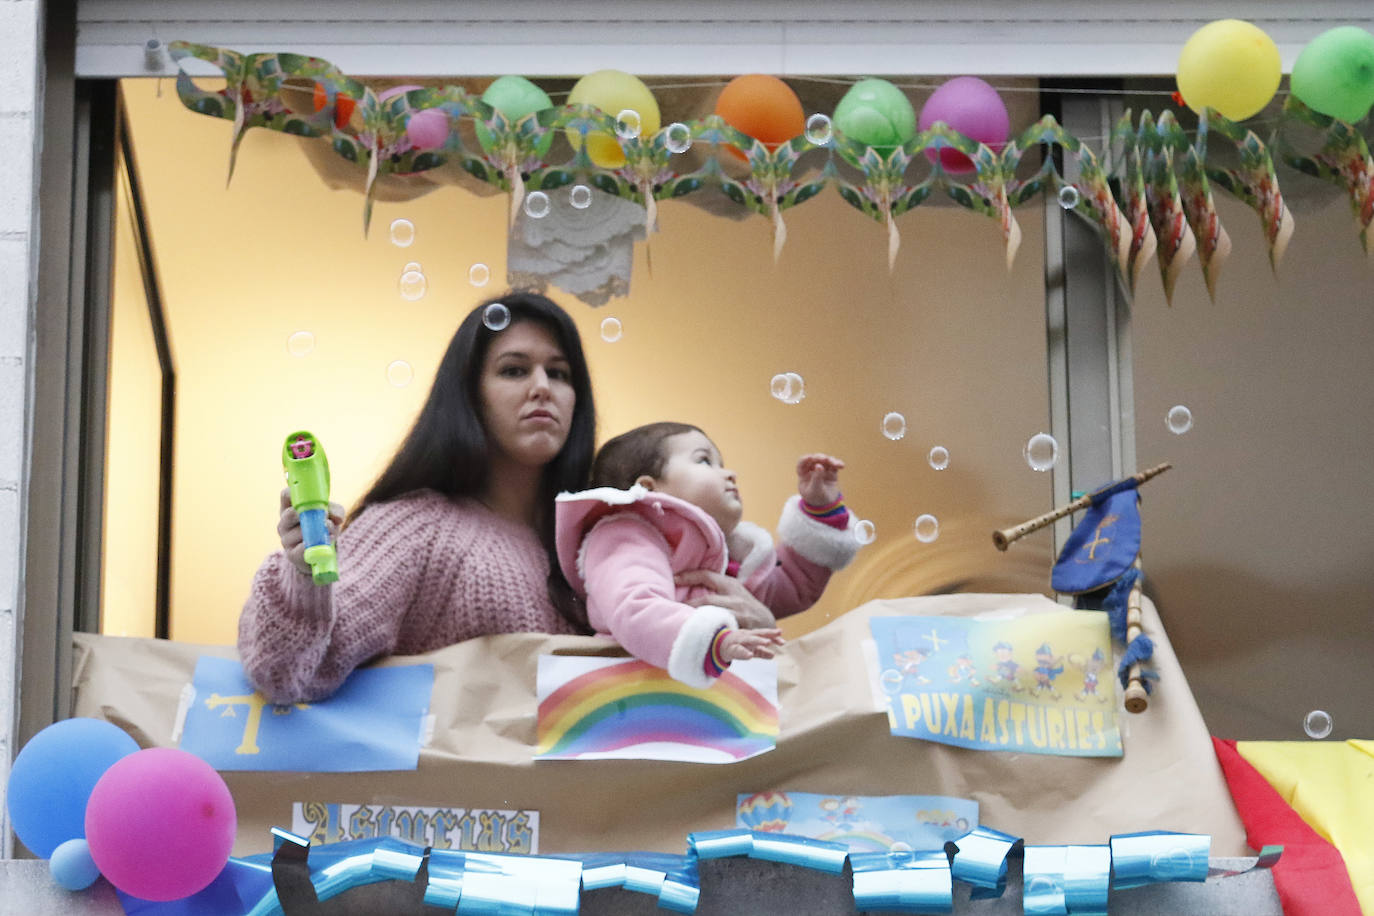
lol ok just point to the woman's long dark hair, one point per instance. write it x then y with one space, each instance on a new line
446 449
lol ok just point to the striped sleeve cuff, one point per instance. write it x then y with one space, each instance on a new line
715 663
836 515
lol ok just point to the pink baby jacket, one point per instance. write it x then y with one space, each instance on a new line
620 550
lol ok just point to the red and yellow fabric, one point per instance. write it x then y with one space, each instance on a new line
1317 800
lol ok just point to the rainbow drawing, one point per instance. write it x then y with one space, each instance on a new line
597 708
860 840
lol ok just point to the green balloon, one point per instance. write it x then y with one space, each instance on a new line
876 113
515 97
1334 74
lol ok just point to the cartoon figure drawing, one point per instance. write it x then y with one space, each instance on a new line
1047 668
963 669
909 663
1006 669
1090 669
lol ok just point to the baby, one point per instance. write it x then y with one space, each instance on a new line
662 503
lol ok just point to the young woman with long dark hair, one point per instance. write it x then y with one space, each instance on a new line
455 538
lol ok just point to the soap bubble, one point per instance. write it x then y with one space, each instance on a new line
894 426
864 532
580 197
818 130
402 233
1069 197
1179 419
479 274
1174 865
413 285
496 316
611 329
537 205
627 124
412 265
901 853
678 137
927 528
788 387
1042 886
1041 452
399 373
938 457
892 680
300 343
1317 724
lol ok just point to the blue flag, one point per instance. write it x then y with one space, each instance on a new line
1103 545
373 722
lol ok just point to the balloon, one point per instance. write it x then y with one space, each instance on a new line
1334 74
769 811
53 776
762 106
161 824
613 91
876 113
426 128
1229 65
515 97
72 867
971 107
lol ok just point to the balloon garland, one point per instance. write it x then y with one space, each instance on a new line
1149 192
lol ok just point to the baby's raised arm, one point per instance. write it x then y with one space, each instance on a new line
818 478
737 645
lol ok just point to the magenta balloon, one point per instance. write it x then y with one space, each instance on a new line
428 128
161 824
974 109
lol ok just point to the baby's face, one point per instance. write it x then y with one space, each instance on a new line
693 471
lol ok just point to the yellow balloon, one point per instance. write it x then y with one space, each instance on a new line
614 91
1230 65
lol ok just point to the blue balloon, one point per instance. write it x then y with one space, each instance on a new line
53 776
72 866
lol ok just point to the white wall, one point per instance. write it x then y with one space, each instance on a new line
19 115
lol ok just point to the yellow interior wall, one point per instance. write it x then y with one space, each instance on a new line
949 338
128 592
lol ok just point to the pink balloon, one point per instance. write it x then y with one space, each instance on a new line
427 128
974 109
160 824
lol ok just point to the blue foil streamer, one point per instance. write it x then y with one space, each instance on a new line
918 882
980 859
1043 881
799 850
1087 879
720 844
1157 856
445 878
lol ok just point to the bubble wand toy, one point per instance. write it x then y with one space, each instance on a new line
307 479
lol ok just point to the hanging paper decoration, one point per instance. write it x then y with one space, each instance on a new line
1170 222
1094 200
1254 183
252 93
1154 199
1213 243
770 187
994 186
1132 198
1344 160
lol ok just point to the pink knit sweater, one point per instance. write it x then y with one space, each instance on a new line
417 573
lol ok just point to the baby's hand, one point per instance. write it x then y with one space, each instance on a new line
737 645
818 479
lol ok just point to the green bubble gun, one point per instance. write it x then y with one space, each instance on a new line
307 478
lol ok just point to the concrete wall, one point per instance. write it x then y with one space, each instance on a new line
20 116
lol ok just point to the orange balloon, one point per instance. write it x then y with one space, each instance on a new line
762 106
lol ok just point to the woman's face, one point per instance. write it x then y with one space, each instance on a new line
527 397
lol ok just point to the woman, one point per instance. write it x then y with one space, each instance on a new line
455 539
